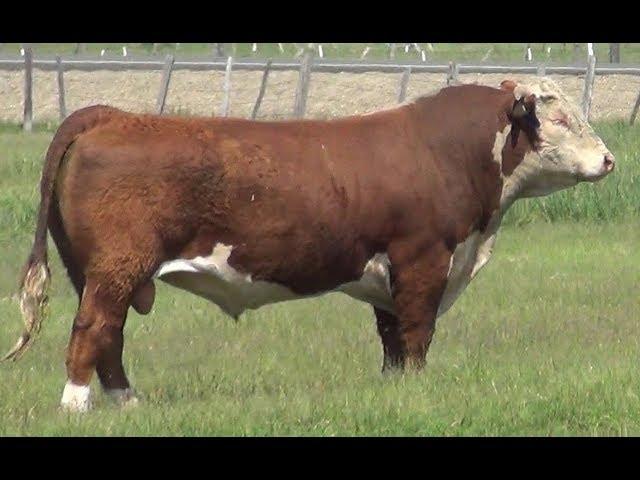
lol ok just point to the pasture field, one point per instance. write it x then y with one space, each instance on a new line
546 341
442 52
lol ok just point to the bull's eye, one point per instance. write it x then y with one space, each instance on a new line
563 122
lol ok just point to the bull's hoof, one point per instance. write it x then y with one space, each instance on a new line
124 397
132 402
76 398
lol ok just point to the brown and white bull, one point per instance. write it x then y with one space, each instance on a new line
398 208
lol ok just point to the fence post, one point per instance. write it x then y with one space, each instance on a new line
452 75
635 110
588 86
164 83
302 90
404 81
614 53
61 101
27 122
224 109
263 87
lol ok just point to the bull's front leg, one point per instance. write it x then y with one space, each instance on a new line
417 291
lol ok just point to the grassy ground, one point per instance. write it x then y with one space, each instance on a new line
462 52
544 342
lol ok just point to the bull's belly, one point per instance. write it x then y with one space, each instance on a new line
234 292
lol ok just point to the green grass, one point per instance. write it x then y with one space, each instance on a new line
461 52
544 342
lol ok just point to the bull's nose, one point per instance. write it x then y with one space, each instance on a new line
609 162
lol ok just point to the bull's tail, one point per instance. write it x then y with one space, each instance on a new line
33 303
36 276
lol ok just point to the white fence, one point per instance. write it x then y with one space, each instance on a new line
305 66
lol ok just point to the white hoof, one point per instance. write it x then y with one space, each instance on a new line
76 398
125 397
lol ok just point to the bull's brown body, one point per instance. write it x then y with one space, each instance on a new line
304 204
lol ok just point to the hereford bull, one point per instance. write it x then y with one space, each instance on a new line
398 208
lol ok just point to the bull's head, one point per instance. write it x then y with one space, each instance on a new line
566 150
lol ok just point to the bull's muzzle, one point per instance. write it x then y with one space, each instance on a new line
609 163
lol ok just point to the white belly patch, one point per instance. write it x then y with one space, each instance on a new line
374 286
213 278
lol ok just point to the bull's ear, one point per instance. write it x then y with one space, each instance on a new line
508 85
523 117
524 109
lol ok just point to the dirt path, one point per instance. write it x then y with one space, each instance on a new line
330 95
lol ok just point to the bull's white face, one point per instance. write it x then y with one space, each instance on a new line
569 151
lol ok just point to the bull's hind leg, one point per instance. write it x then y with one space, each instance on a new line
109 365
96 343
389 331
110 370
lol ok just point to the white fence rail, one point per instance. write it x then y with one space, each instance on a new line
319 65
306 66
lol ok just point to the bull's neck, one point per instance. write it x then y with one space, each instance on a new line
517 184
513 186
